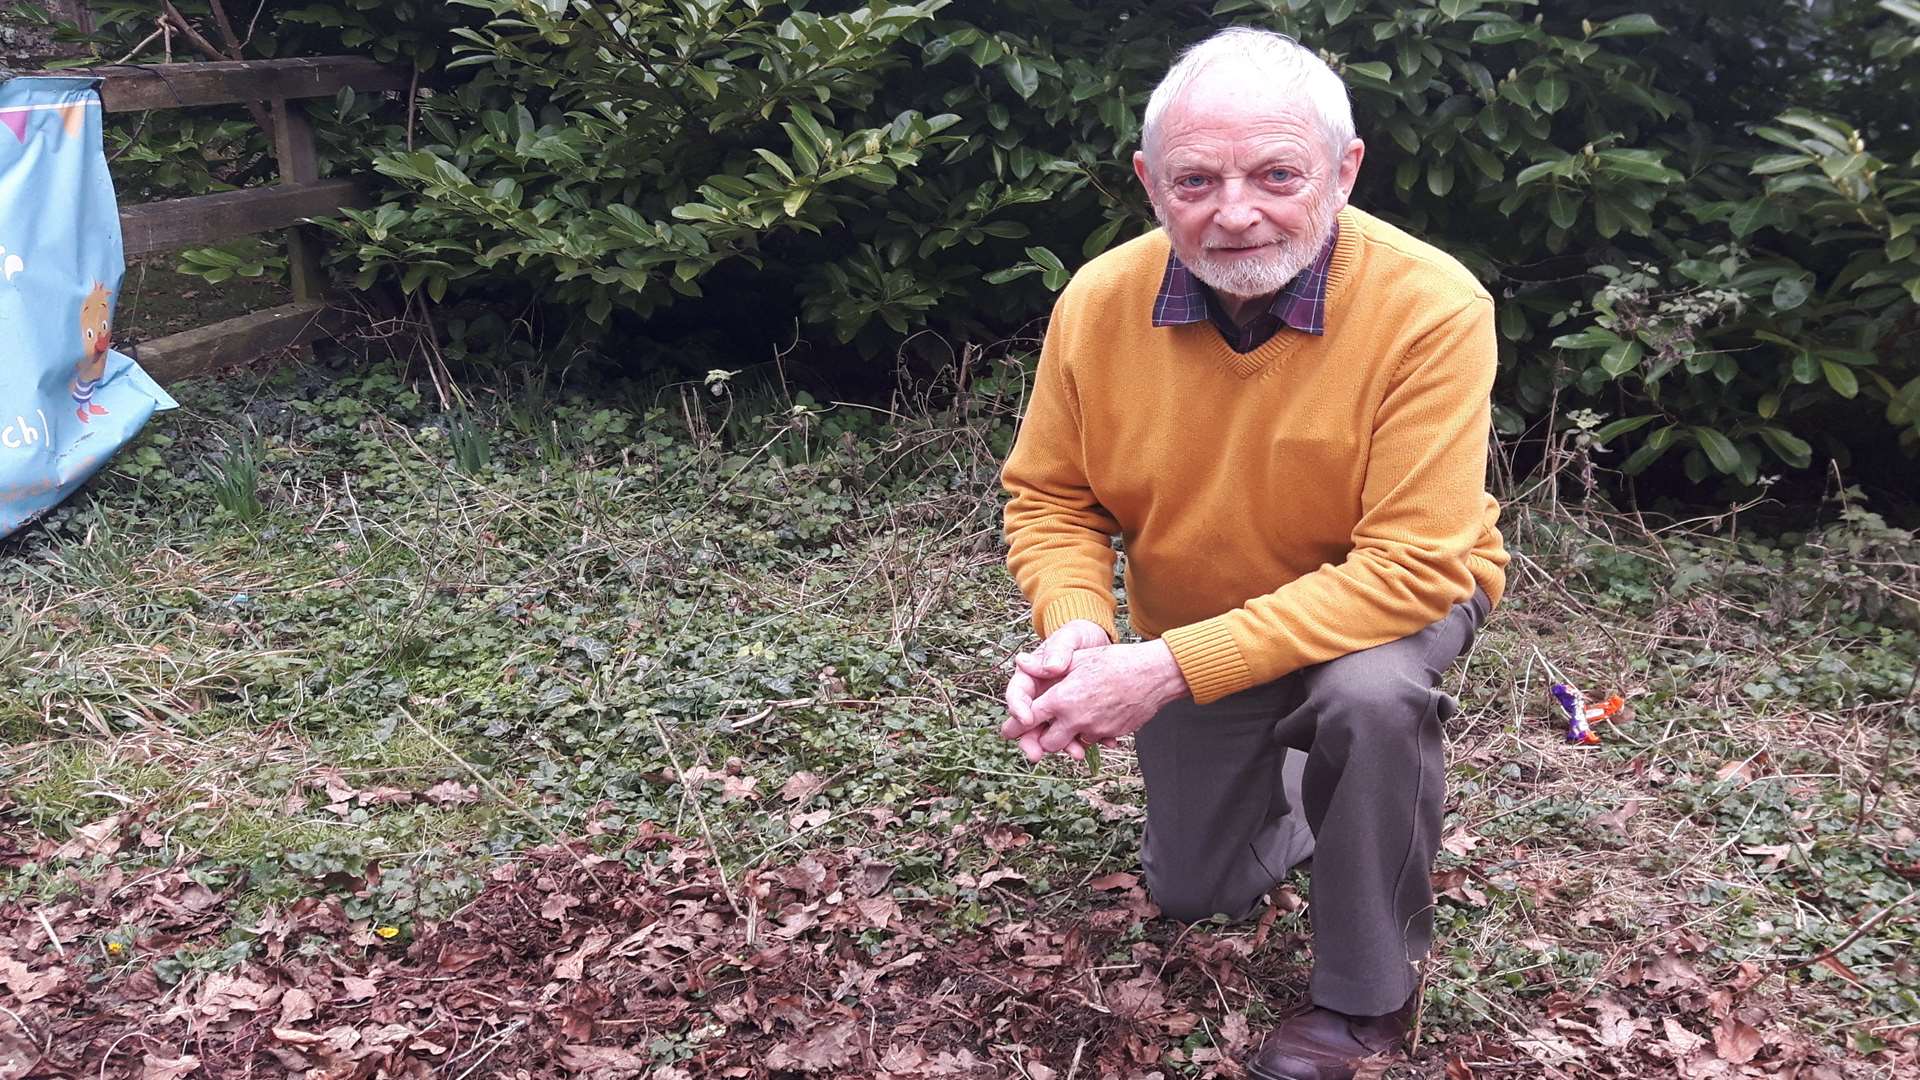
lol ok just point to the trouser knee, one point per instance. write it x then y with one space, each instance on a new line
1359 710
1194 901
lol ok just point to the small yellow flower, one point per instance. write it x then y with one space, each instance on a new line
388 932
115 948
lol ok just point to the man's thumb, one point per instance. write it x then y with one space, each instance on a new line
1056 656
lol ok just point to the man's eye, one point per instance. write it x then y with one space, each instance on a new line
1280 176
1192 182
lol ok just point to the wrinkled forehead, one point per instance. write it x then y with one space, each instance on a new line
1209 122
1230 94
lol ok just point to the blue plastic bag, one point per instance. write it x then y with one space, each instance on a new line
67 399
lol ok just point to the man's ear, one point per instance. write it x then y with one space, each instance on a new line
1350 167
1141 171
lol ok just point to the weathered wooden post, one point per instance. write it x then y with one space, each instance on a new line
206 219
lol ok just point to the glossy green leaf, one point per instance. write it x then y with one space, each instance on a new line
1841 378
1622 358
1791 292
1021 75
1591 338
1627 25
1499 33
1789 448
1045 258
1609 432
1551 93
1563 208
1371 69
1718 448
1101 238
1649 452
1513 322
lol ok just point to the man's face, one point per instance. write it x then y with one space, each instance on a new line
1245 183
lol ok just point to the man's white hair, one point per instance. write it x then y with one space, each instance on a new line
1285 67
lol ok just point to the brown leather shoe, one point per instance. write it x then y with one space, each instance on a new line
1321 1044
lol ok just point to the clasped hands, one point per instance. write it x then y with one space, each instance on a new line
1077 691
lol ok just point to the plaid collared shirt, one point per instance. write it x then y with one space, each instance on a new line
1301 305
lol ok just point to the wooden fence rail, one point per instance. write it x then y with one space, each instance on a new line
205 219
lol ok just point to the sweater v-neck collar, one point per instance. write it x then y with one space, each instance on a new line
1277 348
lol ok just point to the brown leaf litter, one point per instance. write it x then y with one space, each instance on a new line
646 963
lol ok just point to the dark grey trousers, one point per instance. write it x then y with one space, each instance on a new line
1343 761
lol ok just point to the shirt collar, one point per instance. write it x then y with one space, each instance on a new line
1302 304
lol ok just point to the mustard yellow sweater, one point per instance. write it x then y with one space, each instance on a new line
1280 508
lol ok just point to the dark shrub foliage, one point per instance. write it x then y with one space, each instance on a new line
1699 218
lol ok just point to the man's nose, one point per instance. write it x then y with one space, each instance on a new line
1236 211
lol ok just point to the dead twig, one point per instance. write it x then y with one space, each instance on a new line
688 793
258 110
1872 921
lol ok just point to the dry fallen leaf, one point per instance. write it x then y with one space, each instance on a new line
1616 819
1736 1041
381 796
1672 973
100 838
1138 999
224 994
1110 882
451 793
297 1037
1460 842
572 966
734 788
296 1005
1005 837
1549 1048
1744 771
1774 854
1457 885
813 820
827 1048
1682 1040
878 911
1236 1035
27 984
159 1068
1375 1067
908 1059
355 988
556 904
603 1062
802 786
1614 1026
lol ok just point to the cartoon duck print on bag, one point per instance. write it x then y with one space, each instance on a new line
96 333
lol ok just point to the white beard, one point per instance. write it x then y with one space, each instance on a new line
1264 274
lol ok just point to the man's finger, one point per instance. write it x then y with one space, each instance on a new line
1020 693
1030 746
1056 655
1058 737
1013 729
1076 751
1041 664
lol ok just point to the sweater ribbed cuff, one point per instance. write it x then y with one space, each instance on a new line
1209 660
1076 604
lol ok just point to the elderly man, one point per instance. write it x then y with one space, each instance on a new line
1280 403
